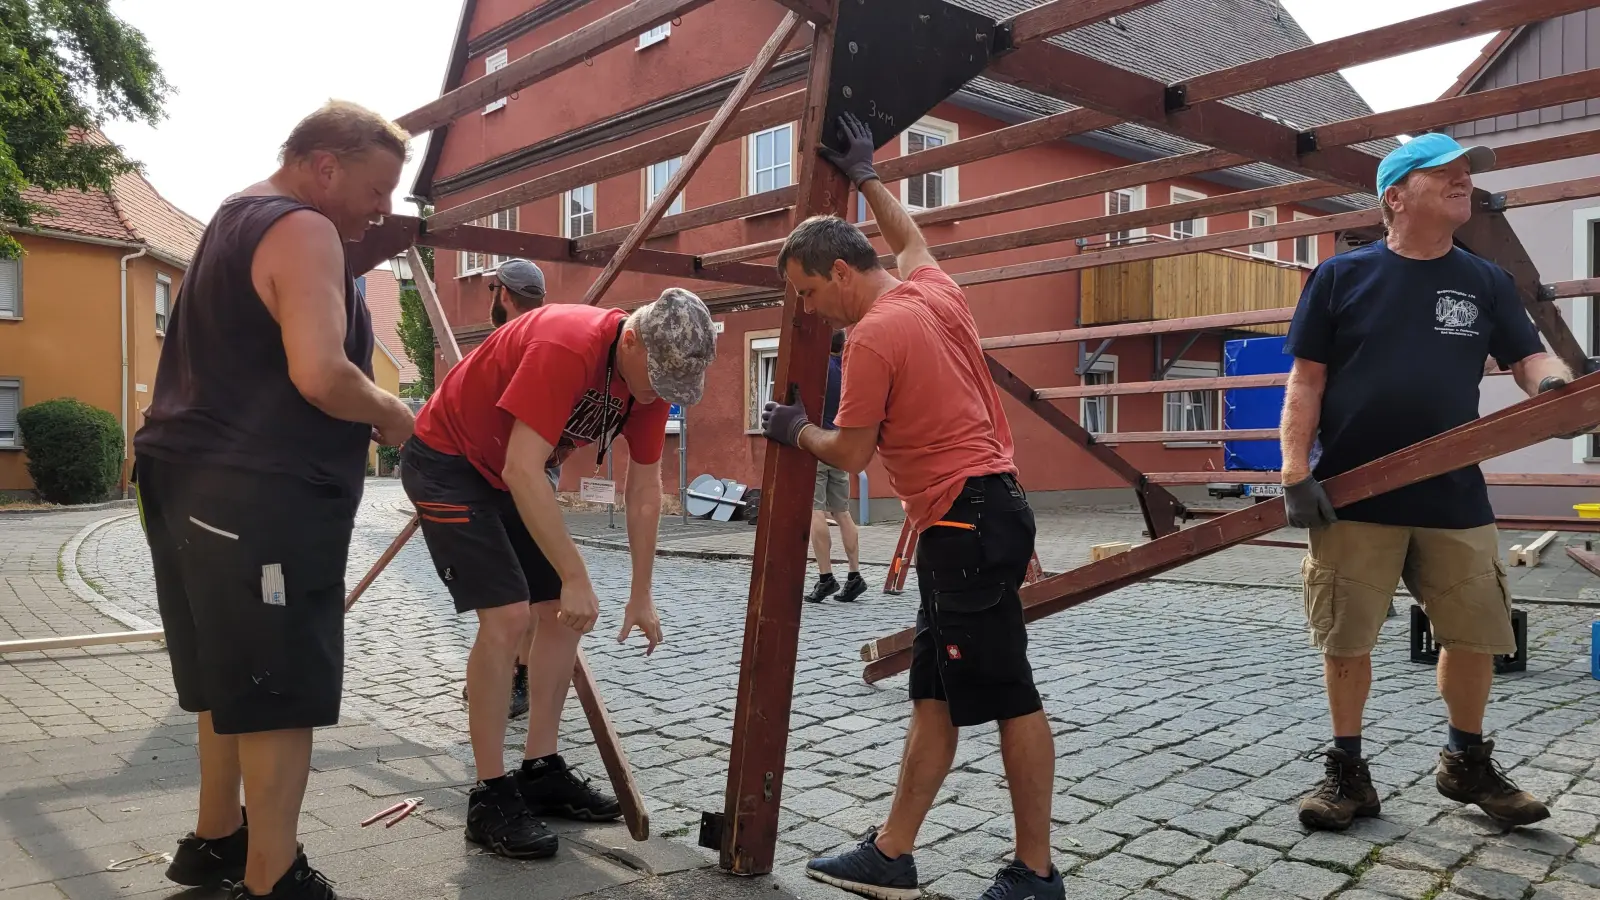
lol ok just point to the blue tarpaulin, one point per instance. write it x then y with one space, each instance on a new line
1259 407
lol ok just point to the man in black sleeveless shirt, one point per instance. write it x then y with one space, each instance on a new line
249 470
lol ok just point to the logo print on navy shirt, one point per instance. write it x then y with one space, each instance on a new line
1457 313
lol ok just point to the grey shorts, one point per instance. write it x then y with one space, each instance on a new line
833 489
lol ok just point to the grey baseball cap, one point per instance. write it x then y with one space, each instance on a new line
680 343
521 277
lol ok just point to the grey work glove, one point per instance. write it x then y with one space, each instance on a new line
1307 504
856 160
1550 383
782 422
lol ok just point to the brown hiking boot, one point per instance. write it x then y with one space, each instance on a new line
1345 792
1473 776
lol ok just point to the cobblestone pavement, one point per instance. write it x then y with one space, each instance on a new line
1184 714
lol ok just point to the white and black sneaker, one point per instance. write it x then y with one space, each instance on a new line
866 871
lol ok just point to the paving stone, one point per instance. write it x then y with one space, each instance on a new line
1300 880
1409 884
959 883
1075 888
1378 831
1102 790
957 817
1582 872
1203 881
1434 836
1532 866
1334 849
1488 885
1564 890
1173 848
1211 824
1540 841
1410 855
1153 809
1117 823
1249 857
1122 870
1277 838
1085 840
817 802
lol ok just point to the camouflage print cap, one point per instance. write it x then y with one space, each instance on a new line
679 342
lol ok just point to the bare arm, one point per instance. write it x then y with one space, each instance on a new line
536 504
299 272
643 496
1530 370
850 449
1302 412
905 239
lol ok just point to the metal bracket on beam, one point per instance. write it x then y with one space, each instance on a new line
1086 364
1163 366
1546 293
1004 40
1176 97
1306 142
1495 203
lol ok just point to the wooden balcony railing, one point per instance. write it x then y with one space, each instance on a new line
1199 284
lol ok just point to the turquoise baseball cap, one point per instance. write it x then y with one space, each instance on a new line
1426 151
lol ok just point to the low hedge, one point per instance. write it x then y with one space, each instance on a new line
74 450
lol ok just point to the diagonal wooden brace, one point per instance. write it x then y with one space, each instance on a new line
1563 411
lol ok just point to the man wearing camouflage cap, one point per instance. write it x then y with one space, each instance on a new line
551 380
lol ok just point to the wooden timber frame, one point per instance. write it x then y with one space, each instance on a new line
1324 155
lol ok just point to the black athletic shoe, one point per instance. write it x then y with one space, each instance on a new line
1018 882
210 863
827 586
519 693
551 788
854 586
866 871
499 820
301 882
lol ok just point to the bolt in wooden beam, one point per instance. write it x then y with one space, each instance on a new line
709 136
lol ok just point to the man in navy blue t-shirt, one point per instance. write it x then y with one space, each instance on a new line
1390 343
833 498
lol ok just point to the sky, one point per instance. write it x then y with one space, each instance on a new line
245 72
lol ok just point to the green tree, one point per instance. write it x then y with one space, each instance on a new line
66 67
416 338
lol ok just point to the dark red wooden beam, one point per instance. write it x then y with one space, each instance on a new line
1217 322
1161 510
1269 476
1530 95
1523 424
818 11
1170 386
1583 287
1420 33
1057 16
777 577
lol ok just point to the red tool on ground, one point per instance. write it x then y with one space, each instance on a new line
398 812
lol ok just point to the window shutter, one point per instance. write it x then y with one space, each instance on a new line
10 287
9 395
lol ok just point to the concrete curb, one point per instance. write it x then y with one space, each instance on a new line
52 510
81 589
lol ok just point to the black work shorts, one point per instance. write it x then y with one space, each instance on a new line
479 544
250 581
971 648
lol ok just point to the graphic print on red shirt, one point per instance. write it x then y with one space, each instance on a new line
546 368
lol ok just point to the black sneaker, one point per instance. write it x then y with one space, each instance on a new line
301 882
499 820
854 586
866 871
210 863
1018 882
827 586
519 693
551 788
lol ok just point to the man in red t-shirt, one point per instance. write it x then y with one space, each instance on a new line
917 392
549 381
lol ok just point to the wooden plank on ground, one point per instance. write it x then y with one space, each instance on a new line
1586 558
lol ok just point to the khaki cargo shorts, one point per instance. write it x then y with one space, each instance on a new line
833 489
1455 574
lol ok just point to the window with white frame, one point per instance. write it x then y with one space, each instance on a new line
771 155
763 372
1261 218
655 35
1305 246
10 402
656 178
1099 414
930 189
477 263
1191 410
163 302
577 212
1187 228
1124 200
492 63
10 288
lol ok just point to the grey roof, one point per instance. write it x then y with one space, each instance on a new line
1179 39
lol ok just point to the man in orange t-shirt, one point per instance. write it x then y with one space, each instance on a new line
917 392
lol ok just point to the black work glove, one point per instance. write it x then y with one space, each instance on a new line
1307 504
856 161
782 422
1550 383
